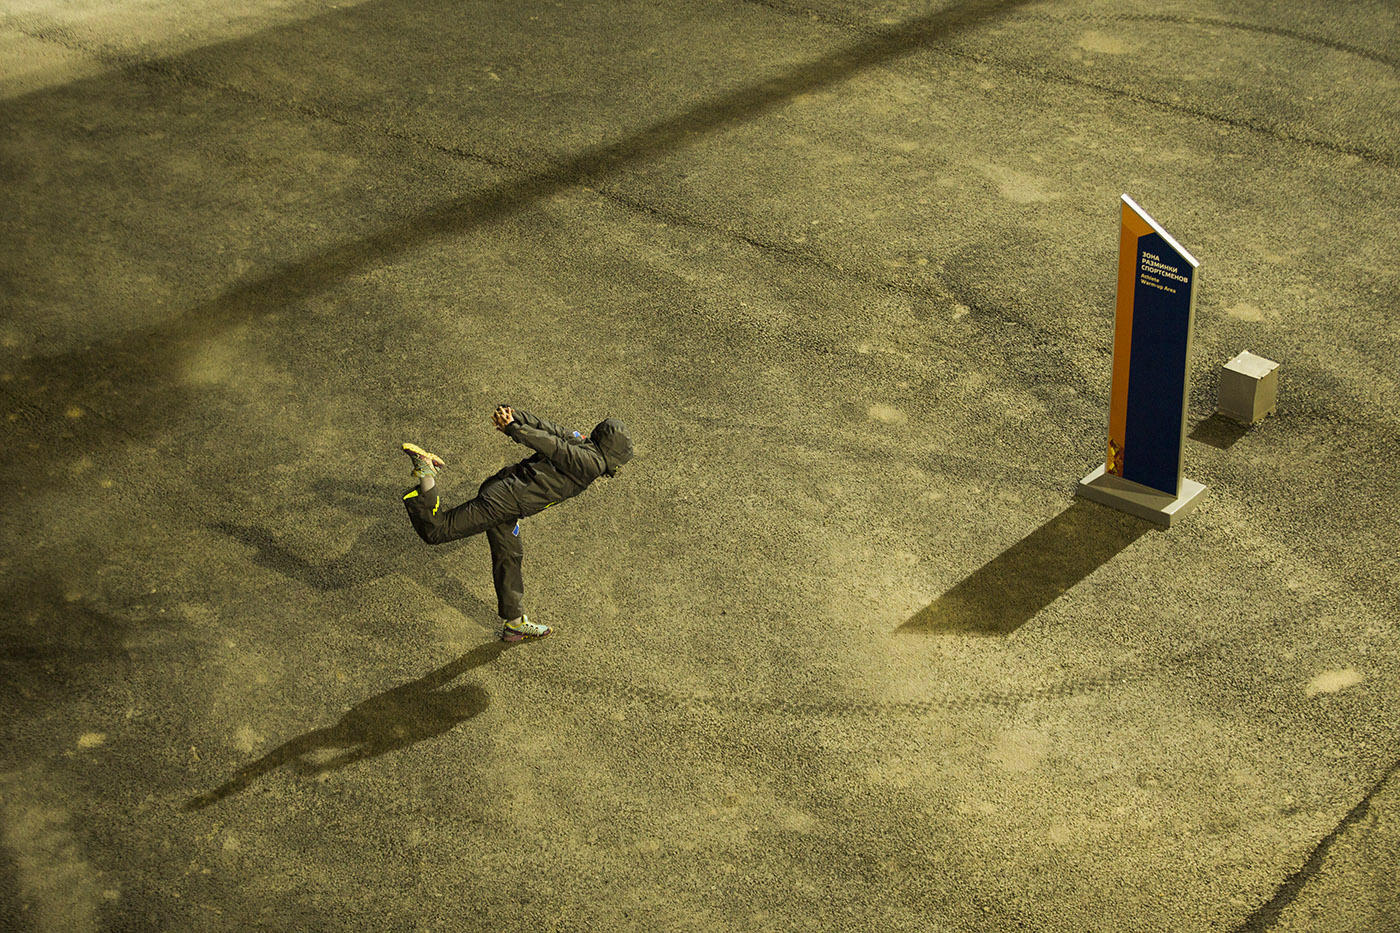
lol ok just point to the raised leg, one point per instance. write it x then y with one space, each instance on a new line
438 525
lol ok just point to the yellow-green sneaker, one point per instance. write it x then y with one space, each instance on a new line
424 463
522 628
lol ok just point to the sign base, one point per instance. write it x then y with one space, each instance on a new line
1136 499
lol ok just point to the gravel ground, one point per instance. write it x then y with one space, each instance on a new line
840 650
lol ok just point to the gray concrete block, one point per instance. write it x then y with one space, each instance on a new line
1248 388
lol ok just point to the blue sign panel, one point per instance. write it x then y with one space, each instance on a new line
1158 366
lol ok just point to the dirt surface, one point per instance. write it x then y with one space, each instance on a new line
840 650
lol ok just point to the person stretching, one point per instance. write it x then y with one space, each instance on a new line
563 465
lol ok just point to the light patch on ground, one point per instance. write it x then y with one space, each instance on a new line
1177 154
901 771
795 820
1245 312
246 740
1018 186
887 414
976 806
1244 776
224 360
28 64
91 739
1062 834
1333 681
197 613
751 808
61 889
1102 44
93 29
1019 749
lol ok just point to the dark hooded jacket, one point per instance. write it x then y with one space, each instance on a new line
565 462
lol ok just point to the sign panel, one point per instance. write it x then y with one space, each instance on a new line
1151 348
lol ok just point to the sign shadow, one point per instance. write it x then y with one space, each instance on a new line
1007 592
399 717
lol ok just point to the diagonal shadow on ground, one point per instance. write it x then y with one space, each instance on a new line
388 721
1267 915
1007 592
134 366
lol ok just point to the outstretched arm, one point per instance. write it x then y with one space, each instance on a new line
579 460
539 424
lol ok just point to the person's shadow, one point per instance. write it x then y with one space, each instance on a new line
394 719
369 556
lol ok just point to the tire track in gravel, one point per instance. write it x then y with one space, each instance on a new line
1280 132
660 700
1305 37
678 700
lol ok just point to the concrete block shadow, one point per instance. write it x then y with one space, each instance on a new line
1218 431
394 719
1007 592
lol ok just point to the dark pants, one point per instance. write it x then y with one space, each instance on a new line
492 511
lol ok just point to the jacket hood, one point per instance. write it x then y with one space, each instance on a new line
616 447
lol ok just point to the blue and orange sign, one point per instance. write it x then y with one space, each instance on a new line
1151 347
